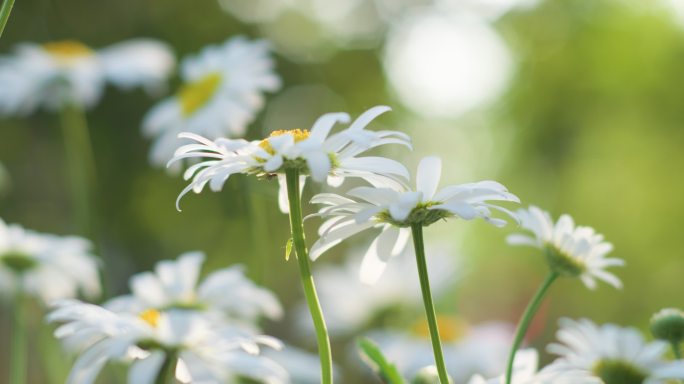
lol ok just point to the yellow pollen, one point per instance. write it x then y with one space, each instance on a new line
150 316
451 328
67 50
298 134
194 95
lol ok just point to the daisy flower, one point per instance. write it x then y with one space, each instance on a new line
222 92
395 210
613 354
468 348
47 267
226 292
525 372
200 350
324 156
570 250
55 74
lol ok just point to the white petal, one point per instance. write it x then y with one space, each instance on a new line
427 178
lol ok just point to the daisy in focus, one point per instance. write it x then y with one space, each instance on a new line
223 89
570 250
226 294
317 153
395 210
61 73
613 354
46 267
162 346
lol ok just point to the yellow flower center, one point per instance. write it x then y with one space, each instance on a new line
194 95
67 50
451 328
298 134
150 316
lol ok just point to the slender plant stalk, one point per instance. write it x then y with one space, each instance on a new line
417 230
167 372
297 227
526 319
80 164
676 350
19 348
5 14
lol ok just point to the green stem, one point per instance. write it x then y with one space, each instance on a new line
80 164
417 230
676 349
19 347
167 372
526 319
5 14
297 227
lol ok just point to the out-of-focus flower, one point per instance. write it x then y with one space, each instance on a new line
46 266
570 250
668 325
175 284
323 156
525 372
395 210
222 92
468 349
613 354
56 74
202 350
340 290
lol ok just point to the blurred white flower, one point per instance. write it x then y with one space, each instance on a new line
394 210
175 284
55 74
204 351
468 349
525 372
46 266
302 366
325 157
340 289
222 92
570 250
613 354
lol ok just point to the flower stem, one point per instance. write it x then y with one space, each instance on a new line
417 230
5 14
80 163
526 319
676 349
167 372
297 227
19 347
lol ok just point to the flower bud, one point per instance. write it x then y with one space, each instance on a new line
428 375
668 325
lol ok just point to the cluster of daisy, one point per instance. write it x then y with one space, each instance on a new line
174 326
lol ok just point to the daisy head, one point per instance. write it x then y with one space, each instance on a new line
395 209
202 350
318 153
223 89
225 293
45 266
570 250
55 74
613 354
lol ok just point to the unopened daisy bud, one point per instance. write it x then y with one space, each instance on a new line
428 375
668 325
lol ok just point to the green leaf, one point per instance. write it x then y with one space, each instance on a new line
372 355
288 249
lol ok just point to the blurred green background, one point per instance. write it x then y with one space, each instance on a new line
582 113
